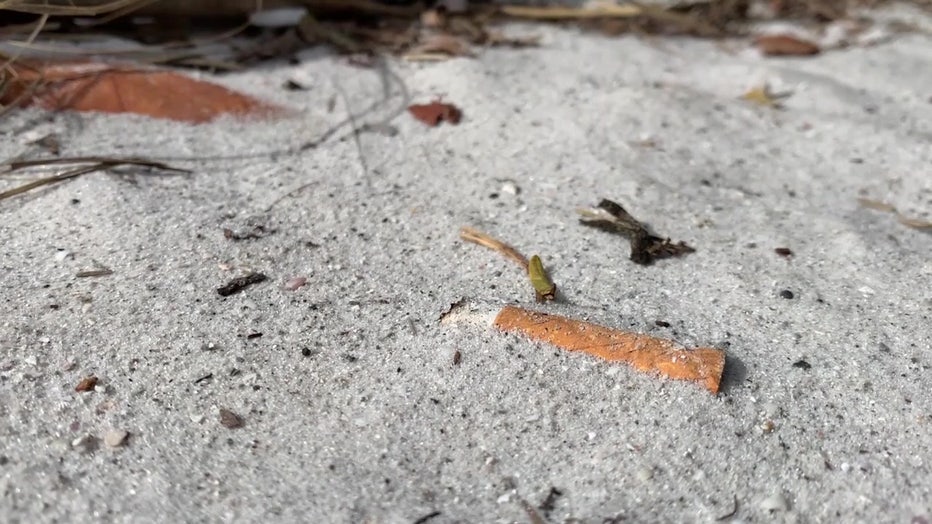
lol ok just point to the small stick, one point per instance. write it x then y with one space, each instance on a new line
478 237
103 272
732 513
240 283
642 352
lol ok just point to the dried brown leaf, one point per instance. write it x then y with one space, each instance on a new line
109 89
435 112
786 45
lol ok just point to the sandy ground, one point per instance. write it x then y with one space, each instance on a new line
353 409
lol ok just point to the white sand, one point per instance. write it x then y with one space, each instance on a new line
376 424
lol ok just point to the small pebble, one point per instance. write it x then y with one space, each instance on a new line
115 438
294 283
644 474
230 420
787 294
775 502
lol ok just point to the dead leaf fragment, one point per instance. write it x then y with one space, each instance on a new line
645 246
642 352
86 384
762 96
113 89
785 45
230 420
435 112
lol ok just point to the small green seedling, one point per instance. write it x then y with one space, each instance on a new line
544 288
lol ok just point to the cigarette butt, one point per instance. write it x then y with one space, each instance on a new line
642 352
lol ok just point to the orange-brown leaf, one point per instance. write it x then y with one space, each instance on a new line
786 45
642 352
435 112
108 89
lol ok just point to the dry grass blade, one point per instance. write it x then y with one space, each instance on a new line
915 223
478 237
876 205
51 180
572 13
86 8
99 163
109 161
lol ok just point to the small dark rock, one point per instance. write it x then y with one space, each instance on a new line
802 364
230 420
787 294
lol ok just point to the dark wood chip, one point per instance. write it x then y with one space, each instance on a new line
549 503
428 517
238 284
86 384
